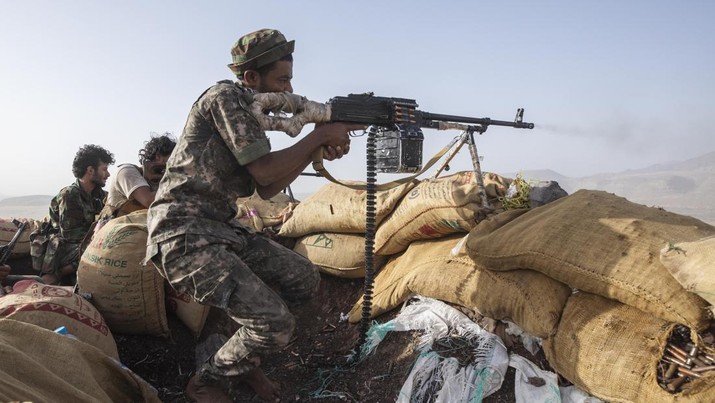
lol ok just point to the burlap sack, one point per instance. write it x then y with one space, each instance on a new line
338 209
530 299
8 230
611 350
256 213
190 313
340 255
436 208
50 307
129 295
39 365
601 243
692 264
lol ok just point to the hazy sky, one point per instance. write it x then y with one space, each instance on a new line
610 85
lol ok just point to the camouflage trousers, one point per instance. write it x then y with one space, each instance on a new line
247 274
51 252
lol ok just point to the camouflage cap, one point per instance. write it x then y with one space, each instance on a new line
258 49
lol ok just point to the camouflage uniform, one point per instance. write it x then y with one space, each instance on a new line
201 250
72 212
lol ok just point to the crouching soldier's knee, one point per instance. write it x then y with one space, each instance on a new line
281 328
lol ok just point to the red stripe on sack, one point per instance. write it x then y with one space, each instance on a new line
428 230
48 307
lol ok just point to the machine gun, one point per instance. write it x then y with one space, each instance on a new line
399 144
395 123
356 108
394 145
396 119
6 250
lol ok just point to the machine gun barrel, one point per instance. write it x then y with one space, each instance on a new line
431 120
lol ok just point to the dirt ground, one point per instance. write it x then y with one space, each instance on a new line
312 367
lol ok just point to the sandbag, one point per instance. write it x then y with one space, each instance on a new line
129 295
50 307
339 209
428 268
340 255
611 350
256 213
39 365
601 243
8 229
189 311
438 207
692 264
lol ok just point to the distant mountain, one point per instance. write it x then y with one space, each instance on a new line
35 206
703 162
684 187
34 200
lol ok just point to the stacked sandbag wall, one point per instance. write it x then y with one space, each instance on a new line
330 224
129 295
603 244
439 269
639 273
438 207
338 209
330 227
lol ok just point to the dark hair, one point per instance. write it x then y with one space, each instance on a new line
263 70
158 145
90 155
